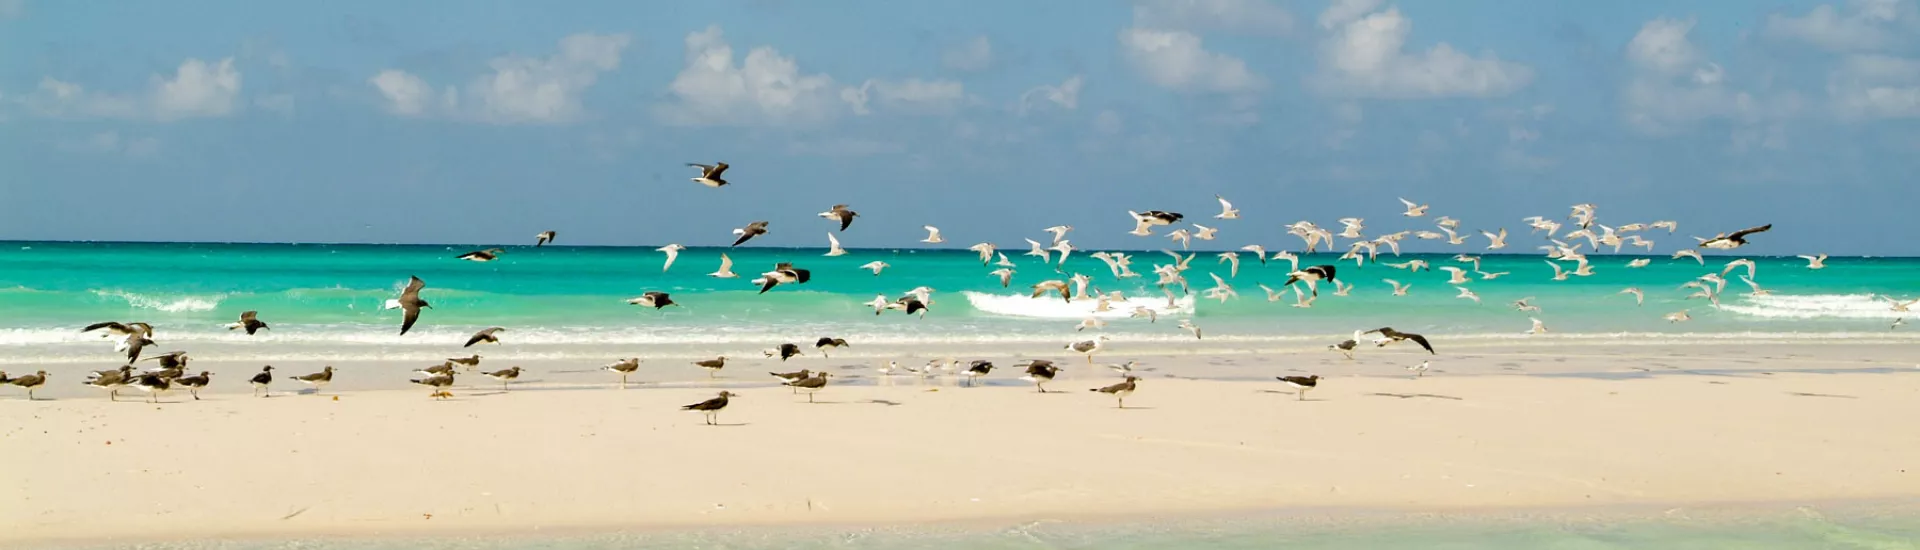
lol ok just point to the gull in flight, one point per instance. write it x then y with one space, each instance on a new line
1052 285
1221 290
1485 276
726 268
1301 299
1003 261
1460 275
1414 210
1815 262
1895 304
1582 213
1639 298
879 303
1730 241
985 250
1738 263
544 238
1447 222
1639 262
752 230
1293 262
1232 259
1259 252
875 266
1205 233
1059 232
673 253
833 247
1039 251
1689 253
1005 274
841 214
1678 316
710 174
1227 211
1558 274
1454 238
1090 322
1522 305
1468 294
1539 327
1398 289
1353 227
1181 235
1144 311
1496 241
1065 248
783 273
1188 326
1411 265
1342 288
933 235
1273 295
1668 225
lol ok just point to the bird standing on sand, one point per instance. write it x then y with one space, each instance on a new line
624 368
487 255
978 369
1346 347
1089 347
1301 384
439 383
811 385
318 380
711 407
468 362
544 238
713 365
112 381
153 384
841 214
1420 370
505 376
485 335
194 383
1040 372
747 233
262 382
710 174
788 378
410 302
30 382
251 321
827 343
1120 391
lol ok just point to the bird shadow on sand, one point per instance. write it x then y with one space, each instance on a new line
728 425
1835 396
1413 395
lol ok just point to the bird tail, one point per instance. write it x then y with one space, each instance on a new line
391 304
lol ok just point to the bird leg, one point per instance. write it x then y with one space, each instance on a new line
809 397
196 394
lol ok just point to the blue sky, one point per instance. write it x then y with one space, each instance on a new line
481 122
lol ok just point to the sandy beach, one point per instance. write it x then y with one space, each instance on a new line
1515 428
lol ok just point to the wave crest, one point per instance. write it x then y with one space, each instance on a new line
1817 306
169 304
1047 308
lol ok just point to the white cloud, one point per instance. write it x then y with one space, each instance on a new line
766 88
1177 60
12 9
1862 25
1066 95
975 54
112 142
1662 45
1674 85
1255 17
520 90
1364 56
196 89
907 96
1875 86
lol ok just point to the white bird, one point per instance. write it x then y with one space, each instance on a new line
1496 241
1181 235
1420 370
879 303
833 247
1292 260
1737 263
673 253
1558 274
1639 298
1815 262
1468 294
1459 275
1757 291
933 235
1090 322
1188 326
1398 289
1005 274
1205 233
1259 252
1059 232
1232 259
1273 295
1582 213
1485 276
1039 251
1524 305
1144 311
1678 316
1227 212
1896 305
1123 368
1414 210
1003 261
1538 326
1065 248
985 250
875 266
1301 299
726 268
1689 253
1669 225
1639 262
1353 227
1342 288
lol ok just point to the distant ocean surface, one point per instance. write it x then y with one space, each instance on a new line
558 302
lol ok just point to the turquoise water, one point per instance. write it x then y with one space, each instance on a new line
323 301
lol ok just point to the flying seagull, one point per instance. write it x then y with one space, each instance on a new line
249 320
985 250
726 268
710 174
933 235
485 335
841 214
1414 210
784 272
1312 275
1730 241
673 253
1391 336
875 266
654 299
1815 262
544 238
833 247
752 230
1227 211
1005 274
410 301
487 255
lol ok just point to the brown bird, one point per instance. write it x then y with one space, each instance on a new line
545 237
318 380
624 367
713 365
752 230
486 335
711 407
710 174
505 376
1120 391
262 381
439 383
788 378
1301 383
249 320
811 385
30 382
410 301
469 362
194 383
827 343
841 214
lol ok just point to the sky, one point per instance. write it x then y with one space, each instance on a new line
489 121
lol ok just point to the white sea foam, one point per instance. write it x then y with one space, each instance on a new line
169 304
1816 306
1046 307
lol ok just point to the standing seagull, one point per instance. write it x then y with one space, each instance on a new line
933 235
841 214
978 369
544 238
1040 372
439 383
318 380
251 321
1227 211
710 174
1730 241
261 382
410 301
1346 347
625 367
194 383
154 385
1120 391
1088 348
752 230
811 385
713 365
673 253
1301 384
485 335
711 407
30 382
504 376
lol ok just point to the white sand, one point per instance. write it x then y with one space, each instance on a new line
567 451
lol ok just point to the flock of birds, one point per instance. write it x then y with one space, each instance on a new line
1303 282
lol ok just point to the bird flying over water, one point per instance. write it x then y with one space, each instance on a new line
841 214
710 174
544 238
250 321
747 233
673 253
487 255
726 268
1730 241
1414 210
1227 211
485 335
410 302
933 235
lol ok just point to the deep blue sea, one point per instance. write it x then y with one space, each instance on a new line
558 302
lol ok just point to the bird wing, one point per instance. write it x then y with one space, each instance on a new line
1745 232
726 263
1422 340
768 282
846 220
249 316
412 292
833 243
932 231
718 167
744 235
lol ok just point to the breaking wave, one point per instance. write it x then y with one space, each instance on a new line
1048 308
1817 306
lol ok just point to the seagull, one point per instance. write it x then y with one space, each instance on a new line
170 361
1390 336
1003 261
654 299
1496 241
1726 241
875 266
544 238
1353 227
1157 217
726 268
827 343
1558 274
623 367
487 255
1459 275
1539 327
1005 274
1065 248
1582 213
1144 311
439 383
1737 263
249 320
783 272
1187 325
154 385
833 248
711 407
1346 347
1897 321
112 381
1040 372
985 250
1054 285
1639 298
1301 384
1669 225
1203 232
1088 347
504 376
841 214
123 330
1414 210
1467 293
1311 275
1301 299
191 383
1398 289
933 235
978 369
1686 253
318 380
469 362
879 303
1123 368
785 351
1259 252
1639 262
1090 322
442 368
486 336
752 230
1815 262
1485 276
1895 304
262 381
409 302
710 174
1059 233
1181 235
1447 222
1678 316
1757 291
673 253
1522 305
1273 295
1227 211
1120 391
1420 370
1042 252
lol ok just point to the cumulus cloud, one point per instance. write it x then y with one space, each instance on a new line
519 90
1674 85
975 54
765 88
1253 17
1861 25
906 96
1066 95
1178 60
1365 55
196 89
1875 86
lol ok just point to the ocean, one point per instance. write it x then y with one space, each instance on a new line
560 302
